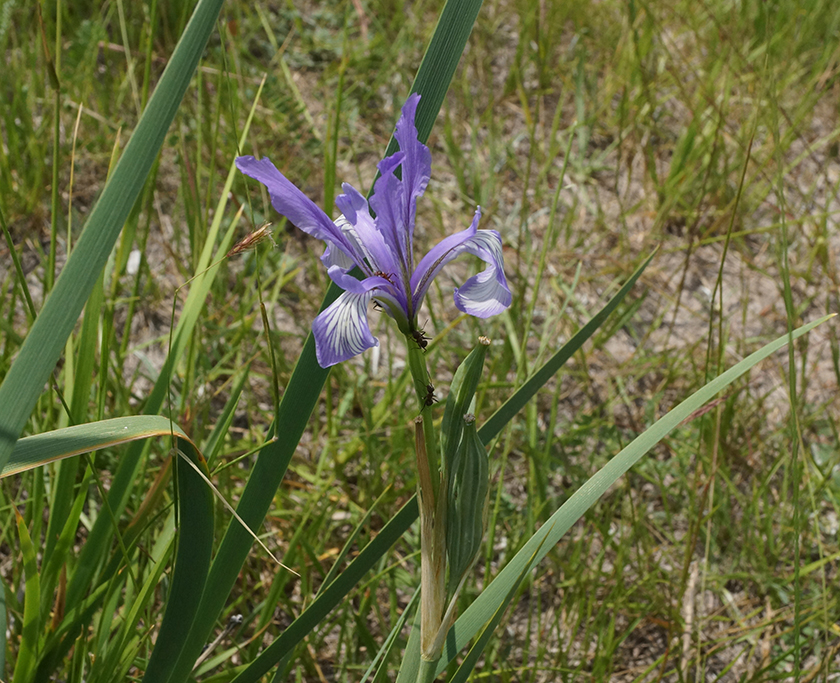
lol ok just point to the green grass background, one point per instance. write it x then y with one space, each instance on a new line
710 129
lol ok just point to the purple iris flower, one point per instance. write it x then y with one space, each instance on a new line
382 248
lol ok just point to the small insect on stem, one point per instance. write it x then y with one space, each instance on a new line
387 276
421 338
430 399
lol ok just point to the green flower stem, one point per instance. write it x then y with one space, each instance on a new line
432 499
426 673
422 382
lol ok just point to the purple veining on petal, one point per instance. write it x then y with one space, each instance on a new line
382 247
341 331
416 167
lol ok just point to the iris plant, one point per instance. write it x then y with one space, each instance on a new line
382 248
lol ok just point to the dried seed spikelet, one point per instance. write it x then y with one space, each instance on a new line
469 487
251 240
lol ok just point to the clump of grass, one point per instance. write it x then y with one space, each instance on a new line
715 558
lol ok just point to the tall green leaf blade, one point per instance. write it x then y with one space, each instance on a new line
538 380
482 610
308 377
195 543
42 348
31 630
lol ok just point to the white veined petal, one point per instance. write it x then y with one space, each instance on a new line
342 331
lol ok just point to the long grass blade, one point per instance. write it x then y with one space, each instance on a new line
482 610
45 341
195 543
30 633
538 380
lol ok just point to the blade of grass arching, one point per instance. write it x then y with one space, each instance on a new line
331 596
31 629
192 564
482 610
308 377
34 451
534 383
42 348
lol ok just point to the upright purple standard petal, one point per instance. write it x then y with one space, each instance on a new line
416 166
383 247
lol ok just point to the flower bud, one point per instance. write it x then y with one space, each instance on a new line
466 516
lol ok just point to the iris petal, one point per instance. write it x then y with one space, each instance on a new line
482 295
290 201
341 331
486 293
416 166
363 230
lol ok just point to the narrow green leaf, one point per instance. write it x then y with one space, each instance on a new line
45 341
34 451
195 543
482 610
28 648
538 380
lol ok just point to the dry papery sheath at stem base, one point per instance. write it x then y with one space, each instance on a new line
382 248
